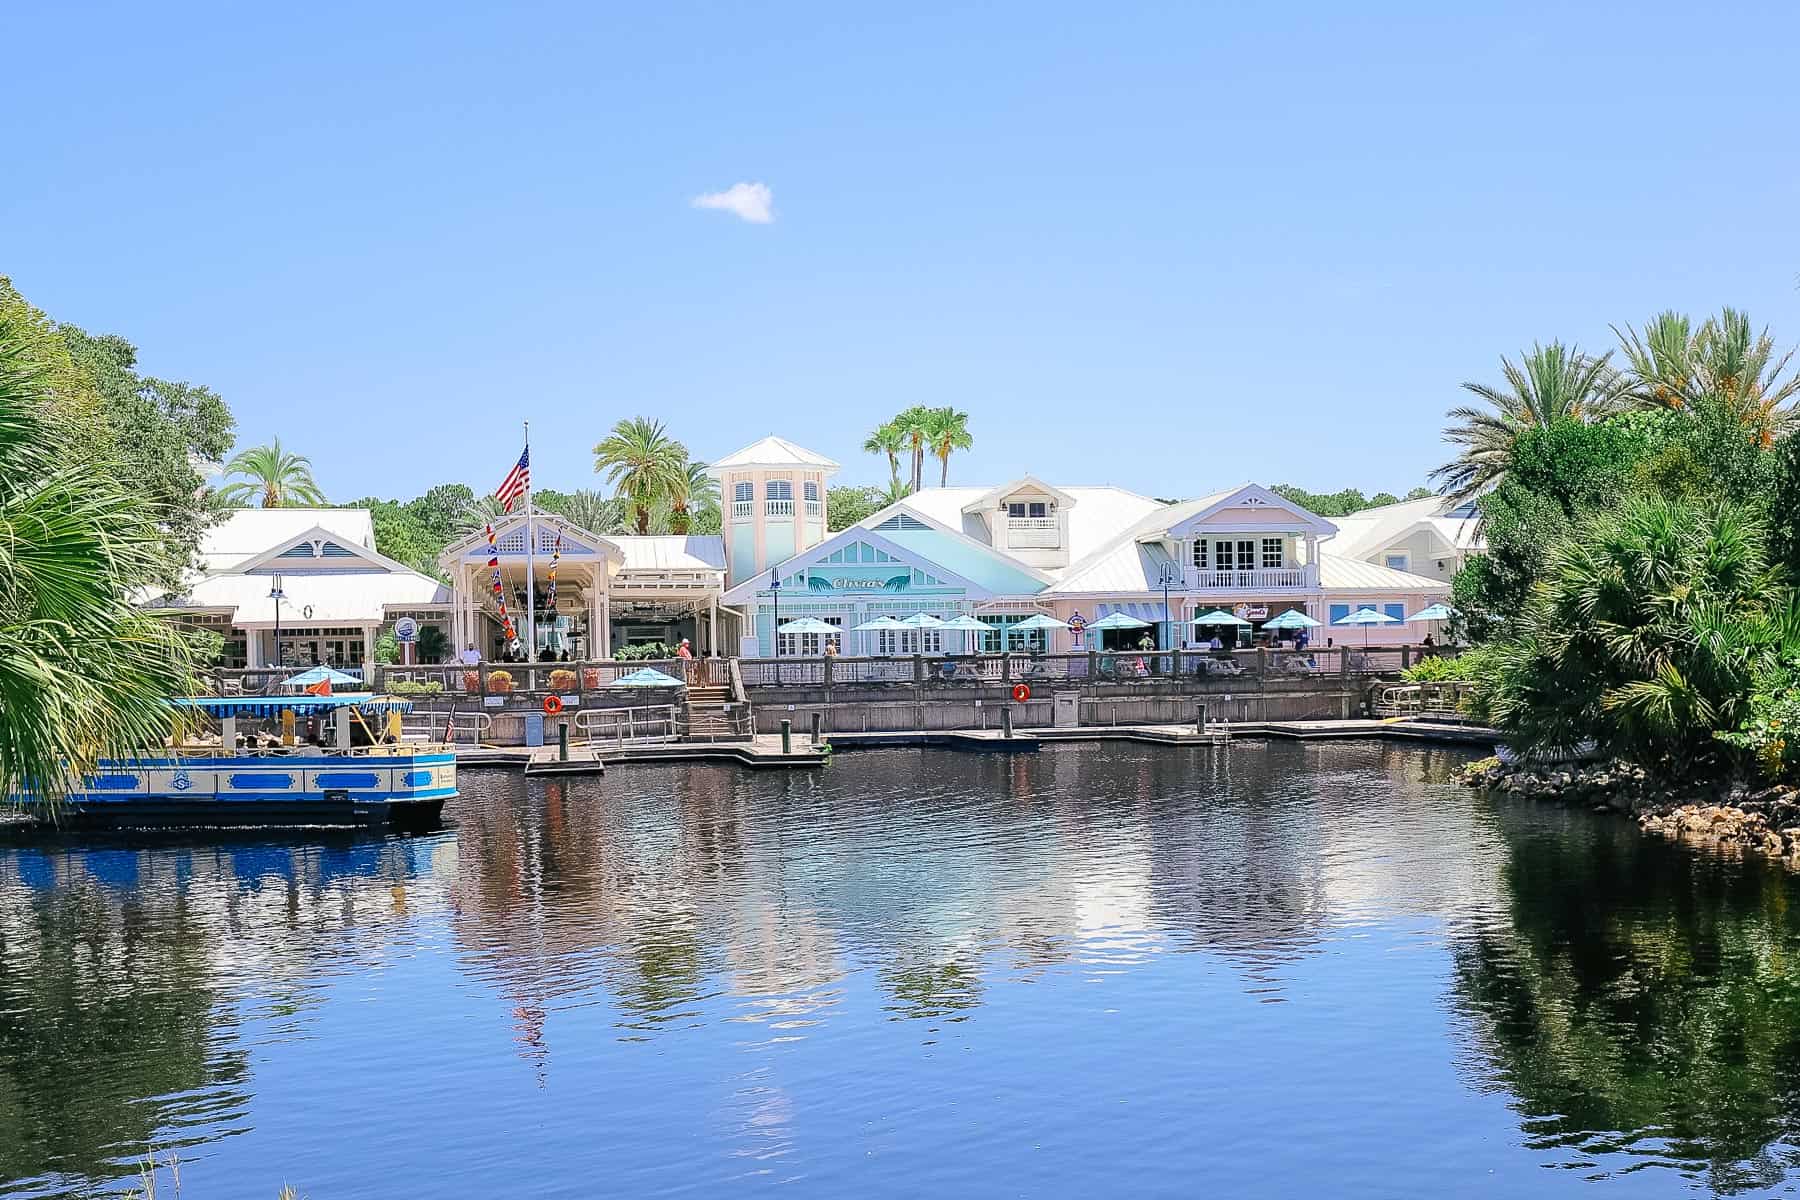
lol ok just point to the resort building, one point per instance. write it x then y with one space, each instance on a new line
1432 537
1078 554
606 592
999 554
313 570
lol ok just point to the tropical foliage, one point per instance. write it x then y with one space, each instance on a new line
272 478
84 674
647 468
1345 502
1637 589
915 433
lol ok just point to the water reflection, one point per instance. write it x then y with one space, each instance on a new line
1640 1003
732 965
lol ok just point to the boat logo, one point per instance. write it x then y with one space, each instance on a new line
182 781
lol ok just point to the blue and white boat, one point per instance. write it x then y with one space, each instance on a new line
239 777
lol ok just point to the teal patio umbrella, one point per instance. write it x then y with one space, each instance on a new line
807 625
646 677
968 626
316 675
1367 617
1035 621
1119 620
1435 613
1293 618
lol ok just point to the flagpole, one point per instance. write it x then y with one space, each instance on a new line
530 551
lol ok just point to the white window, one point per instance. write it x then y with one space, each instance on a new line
778 489
1015 510
1222 560
811 489
1271 553
1020 509
1246 555
741 492
909 641
1396 562
1200 553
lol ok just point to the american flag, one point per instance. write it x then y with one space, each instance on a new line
512 488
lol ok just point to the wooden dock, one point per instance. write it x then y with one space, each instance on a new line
764 750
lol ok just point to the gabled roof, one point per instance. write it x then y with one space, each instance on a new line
247 532
773 451
927 548
577 541
1095 518
991 498
1198 512
317 551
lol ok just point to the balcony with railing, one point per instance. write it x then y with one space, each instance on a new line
815 508
778 508
1265 579
1033 533
743 510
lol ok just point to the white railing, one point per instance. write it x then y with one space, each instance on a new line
778 508
743 510
814 508
1033 533
1264 580
628 726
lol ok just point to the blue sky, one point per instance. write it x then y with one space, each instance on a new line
1166 247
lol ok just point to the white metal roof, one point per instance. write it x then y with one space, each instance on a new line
773 451
1096 515
247 532
1338 574
671 553
351 599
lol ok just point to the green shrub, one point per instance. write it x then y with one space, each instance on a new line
409 687
1770 732
1436 669
644 650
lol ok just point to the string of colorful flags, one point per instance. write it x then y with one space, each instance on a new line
506 624
555 557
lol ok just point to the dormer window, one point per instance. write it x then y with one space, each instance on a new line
1020 509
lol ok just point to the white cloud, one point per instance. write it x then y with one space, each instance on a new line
754 202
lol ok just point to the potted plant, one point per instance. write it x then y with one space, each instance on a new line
590 678
471 681
562 680
500 682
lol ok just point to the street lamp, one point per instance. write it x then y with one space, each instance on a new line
775 590
277 595
1168 580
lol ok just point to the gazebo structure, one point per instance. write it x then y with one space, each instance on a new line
609 591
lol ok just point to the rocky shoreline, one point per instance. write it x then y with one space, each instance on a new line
1733 820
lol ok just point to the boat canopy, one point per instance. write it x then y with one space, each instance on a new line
300 706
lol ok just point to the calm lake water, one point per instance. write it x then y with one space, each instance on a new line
1272 970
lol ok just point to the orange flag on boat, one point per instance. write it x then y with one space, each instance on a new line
321 688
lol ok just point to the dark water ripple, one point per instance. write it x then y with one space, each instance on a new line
1276 970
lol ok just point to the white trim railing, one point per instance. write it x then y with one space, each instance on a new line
1033 533
743 510
778 508
1266 579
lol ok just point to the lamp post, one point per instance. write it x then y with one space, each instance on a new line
1168 579
775 590
277 595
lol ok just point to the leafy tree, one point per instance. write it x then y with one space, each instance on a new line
643 464
162 432
1344 503
401 536
83 673
845 506
434 644
272 477
1549 385
947 431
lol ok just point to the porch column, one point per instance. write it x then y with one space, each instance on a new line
712 624
253 648
368 656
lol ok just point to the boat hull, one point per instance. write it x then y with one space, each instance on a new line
400 791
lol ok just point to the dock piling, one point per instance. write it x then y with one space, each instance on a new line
787 736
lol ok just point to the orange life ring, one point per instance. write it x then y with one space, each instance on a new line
1021 692
553 704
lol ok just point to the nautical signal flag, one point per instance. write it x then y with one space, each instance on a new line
512 488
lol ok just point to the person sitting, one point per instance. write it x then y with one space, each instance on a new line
1217 644
1429 645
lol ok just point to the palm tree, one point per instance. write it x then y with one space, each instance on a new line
915 431
890 440
694 490
279 478
1550 384
947 431
643 463
480 512
1671 365
589 510
84 674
